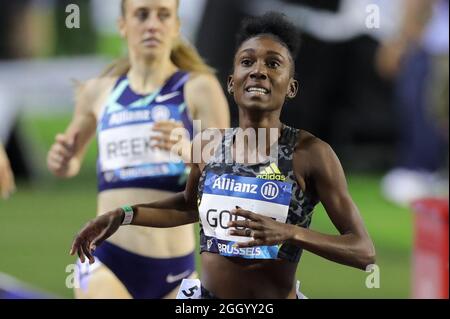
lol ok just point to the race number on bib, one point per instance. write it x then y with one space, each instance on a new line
222 193
190 289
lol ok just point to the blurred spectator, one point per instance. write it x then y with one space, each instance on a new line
12 42
28 82
417 57
16 41
191 12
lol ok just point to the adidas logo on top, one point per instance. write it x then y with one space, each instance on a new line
271 172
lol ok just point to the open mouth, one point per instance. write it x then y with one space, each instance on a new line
257 90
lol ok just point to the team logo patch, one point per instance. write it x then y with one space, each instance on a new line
166 97
270 190
272 172
160 113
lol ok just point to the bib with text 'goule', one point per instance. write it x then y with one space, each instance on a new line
223 193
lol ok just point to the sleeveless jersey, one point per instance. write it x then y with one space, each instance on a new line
126 158
267 188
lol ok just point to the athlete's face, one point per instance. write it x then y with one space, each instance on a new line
150 27
262 76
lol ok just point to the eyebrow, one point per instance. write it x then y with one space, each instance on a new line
150 9
268 52
275 53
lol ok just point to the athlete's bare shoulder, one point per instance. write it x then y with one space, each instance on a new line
94 87
312 155
206 100
308 142
200 78
201 86
92 94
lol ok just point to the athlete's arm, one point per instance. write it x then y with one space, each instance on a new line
180 209
66 154
205 97
353 246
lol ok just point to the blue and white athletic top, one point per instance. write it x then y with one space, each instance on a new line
270 189
125 156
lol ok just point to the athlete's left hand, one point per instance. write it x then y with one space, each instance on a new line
264 230
172 137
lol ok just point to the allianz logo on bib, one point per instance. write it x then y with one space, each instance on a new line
129 117
157 113
268 190
160 113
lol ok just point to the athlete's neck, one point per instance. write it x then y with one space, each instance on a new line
257 119
148 75
268 121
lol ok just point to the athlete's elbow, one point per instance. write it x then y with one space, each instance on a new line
366 256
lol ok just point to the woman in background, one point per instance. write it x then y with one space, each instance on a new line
163 85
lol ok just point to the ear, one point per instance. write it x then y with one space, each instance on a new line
293 89
230 85
121 27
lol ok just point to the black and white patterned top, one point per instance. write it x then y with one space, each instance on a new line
301 205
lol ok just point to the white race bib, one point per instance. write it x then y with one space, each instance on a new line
130 146
222 193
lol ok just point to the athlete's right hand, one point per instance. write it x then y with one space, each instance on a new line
94 233
60 155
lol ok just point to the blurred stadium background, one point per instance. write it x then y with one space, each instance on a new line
43 58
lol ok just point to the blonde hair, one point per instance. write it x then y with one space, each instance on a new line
183 55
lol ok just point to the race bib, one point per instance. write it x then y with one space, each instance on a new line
130 146
190 289
222 193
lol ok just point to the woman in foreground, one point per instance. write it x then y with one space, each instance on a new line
255 216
